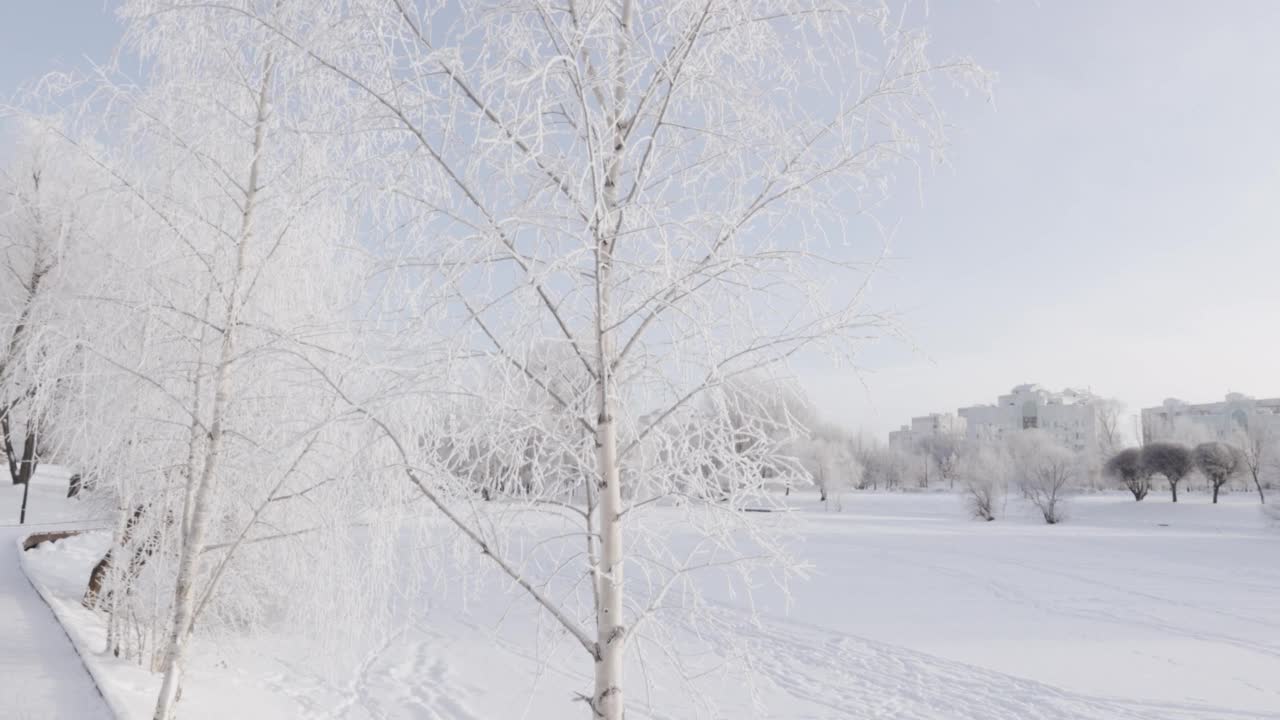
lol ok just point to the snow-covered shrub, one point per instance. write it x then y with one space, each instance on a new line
829 459
984 479
1044 472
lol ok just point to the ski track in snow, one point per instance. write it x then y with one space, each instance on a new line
1011 594
811 672
841 676
406 678
417 680
808 673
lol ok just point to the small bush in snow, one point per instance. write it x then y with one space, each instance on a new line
1044 471
984 477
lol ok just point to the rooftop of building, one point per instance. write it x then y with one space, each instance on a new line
1231 399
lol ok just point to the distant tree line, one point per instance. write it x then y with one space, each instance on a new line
1217 461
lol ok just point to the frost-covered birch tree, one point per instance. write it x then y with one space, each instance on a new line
51 204
666 191
217 319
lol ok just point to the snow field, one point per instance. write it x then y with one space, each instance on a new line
1128 611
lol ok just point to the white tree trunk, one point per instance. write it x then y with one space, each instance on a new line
193 442
184 602
607 700
610 631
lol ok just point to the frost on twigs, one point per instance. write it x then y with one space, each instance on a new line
220 295
984 472
504 269
611 213
1045 472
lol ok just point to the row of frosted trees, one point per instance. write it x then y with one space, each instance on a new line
1218 462
312 276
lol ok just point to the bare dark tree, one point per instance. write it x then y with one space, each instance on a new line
1219 462
1127 467
1172 460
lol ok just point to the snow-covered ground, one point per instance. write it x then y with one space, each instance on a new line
1129 610
40 674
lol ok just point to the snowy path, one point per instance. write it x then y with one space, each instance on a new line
41 676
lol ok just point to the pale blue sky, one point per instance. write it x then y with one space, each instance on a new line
1113 221
37 36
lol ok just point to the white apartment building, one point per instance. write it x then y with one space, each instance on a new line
1069 416
908 437
1184 422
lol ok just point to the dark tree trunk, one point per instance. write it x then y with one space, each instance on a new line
22 514
21 469
1138 488
1215 492
26 469
1262 499
15 473
1173 486
96 578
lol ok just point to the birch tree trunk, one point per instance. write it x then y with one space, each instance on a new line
607 701
633 265
193 442
193 544
610 630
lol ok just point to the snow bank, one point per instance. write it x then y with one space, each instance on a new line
59 572
54 577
